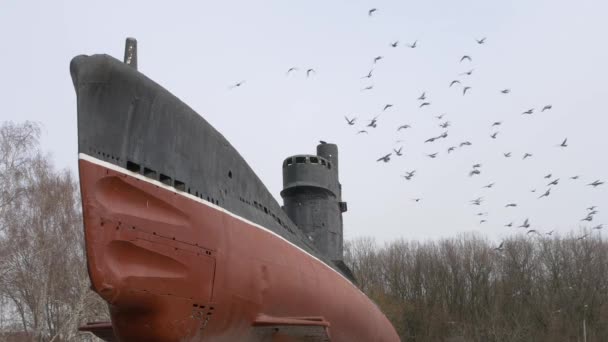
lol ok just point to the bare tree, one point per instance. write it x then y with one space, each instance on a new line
43 277
531 289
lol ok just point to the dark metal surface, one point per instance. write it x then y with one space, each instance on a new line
312 197
131 53
127 119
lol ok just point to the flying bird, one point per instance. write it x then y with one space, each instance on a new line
526 224
481 41
548 176
500 247
547 107
466 57
474 172
464 90
292 69
398 152
422 97
387 107
489 186
385 158
403 127
482 221
432 155
477 201
511 205
371 11
493 136
582 237
430 140
409 175
465 143
546 194
454 82
533 231
377 59
238 84
413 45
564 143
373 122
395 43
416 199
554 182
309 71
425 104
362 131
507 155
497 123
505 91
445 124
596 183
369 74
510 224
574 177
599 226
451 148
368 88
550 232
468 73
527 155
439 117
592 208
350 121
476 166
528 112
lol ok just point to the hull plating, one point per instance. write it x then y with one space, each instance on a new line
176 268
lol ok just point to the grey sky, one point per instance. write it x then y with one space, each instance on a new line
546 52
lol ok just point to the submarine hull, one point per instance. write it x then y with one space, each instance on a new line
183 241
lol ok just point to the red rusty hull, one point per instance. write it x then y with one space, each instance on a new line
174 267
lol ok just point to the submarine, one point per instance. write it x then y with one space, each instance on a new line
185 242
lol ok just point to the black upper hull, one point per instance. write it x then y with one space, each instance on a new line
129 120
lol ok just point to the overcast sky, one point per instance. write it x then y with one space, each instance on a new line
546 52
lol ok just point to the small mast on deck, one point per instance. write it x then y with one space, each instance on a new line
131 52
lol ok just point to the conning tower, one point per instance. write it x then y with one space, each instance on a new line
312 197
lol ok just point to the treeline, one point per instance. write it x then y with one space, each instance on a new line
468 289
44 287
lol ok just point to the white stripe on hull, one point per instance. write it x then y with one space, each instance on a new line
207 203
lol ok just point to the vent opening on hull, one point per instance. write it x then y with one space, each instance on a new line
165 179
133 167
149 173
179 185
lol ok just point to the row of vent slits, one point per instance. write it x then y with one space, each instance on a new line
134 167
307 160
167 180
267 211
179 185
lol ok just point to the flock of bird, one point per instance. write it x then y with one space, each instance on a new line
424 101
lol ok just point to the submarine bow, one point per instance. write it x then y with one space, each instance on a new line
184 241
